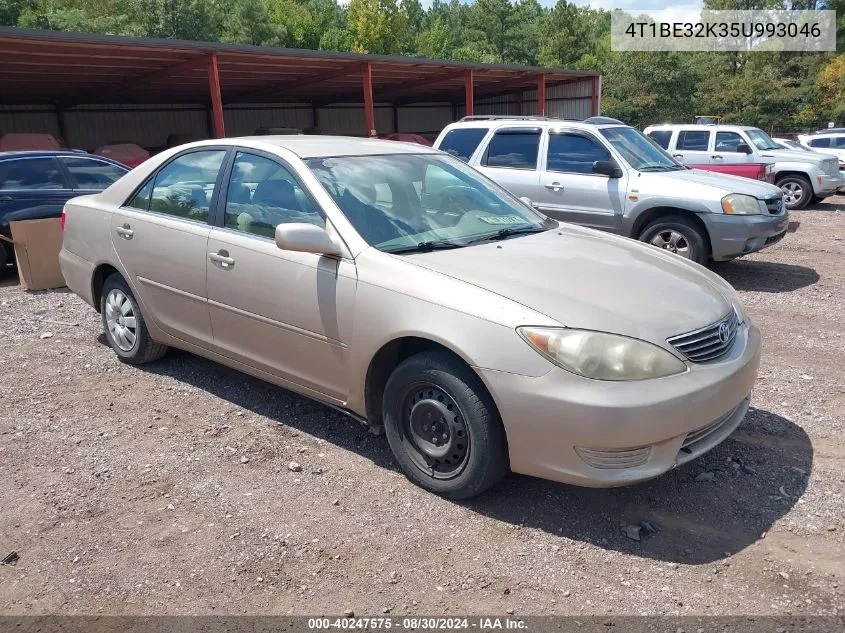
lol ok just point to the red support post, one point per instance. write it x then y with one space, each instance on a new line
369 112
541 94
216 99
468 96
594 98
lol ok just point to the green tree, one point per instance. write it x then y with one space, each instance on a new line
248 22
377 26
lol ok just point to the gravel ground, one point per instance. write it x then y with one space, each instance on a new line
187 488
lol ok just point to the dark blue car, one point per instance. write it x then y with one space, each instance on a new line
36 184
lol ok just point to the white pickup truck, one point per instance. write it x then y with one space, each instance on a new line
802 176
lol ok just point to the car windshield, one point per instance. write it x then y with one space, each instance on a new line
761 139
638 151
408 202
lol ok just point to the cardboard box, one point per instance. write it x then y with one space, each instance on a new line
37 246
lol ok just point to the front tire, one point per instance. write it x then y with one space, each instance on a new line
124 324
443 427
679 235
798 191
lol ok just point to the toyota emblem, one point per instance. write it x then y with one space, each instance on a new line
724 332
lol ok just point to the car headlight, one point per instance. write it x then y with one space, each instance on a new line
601 356
740 204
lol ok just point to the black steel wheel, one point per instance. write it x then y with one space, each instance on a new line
434 431
443 427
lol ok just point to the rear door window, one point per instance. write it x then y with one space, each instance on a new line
515 148
462 142
661 137
183 187
693 140
31 174
90 173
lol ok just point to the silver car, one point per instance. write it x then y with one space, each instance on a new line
606 175
397 284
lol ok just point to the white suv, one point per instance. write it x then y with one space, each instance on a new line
803 177
832 143
604 174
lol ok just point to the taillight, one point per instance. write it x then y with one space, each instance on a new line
63 218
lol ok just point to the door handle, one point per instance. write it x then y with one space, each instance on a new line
222 259
678 155
554 186
5 198
717 156
125 232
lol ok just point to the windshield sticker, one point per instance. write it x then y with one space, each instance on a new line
502 219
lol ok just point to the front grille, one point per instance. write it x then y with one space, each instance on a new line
775 238
708 343
830 166
614 458
775 206
700 434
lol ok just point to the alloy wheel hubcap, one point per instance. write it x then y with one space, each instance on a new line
434 430
793 192
672 241
121 320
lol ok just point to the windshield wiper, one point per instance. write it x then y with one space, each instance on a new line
655 167
424 247
507 232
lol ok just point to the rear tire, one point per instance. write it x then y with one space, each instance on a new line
4 256
124 324
443 427
679 235
798 191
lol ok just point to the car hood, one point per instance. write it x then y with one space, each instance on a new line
696 182
793 155
588 279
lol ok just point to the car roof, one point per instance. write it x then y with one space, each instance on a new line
699 126
308 146
487 122
34 153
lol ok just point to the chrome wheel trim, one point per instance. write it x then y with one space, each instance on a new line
121 320
671 240
793 192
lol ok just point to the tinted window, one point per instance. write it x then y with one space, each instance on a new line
263 194
820 142
141 200
728 141
184 186
661 137
30 173
838 141
462 143
693 140
89 173
516 149
574 153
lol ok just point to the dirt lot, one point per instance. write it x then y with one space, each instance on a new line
123 492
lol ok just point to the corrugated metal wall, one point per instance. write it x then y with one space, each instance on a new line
88 127
32 119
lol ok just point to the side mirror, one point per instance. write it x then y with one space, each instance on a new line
306 238
607 168
743 148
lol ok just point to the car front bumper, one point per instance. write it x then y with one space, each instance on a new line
601 434
825 185
733 236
